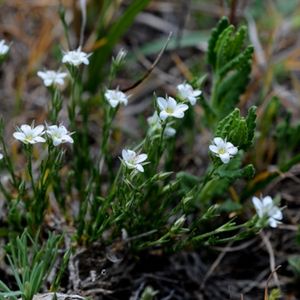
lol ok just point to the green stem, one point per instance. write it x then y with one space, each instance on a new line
28 150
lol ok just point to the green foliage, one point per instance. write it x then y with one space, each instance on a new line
238 130
158 205
149 293
222 178
275 294
231 64
294 262
30 264
288 138
211 54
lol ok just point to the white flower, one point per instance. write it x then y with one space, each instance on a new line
223 149
116 97
30 134
155 124
76 57
1 156
133 160
266 208
52 77
187 92
59 134
3 48
170 108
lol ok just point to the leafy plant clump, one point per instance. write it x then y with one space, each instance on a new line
136 195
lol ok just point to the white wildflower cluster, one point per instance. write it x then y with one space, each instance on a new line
267 209
31 135
57 78
168 108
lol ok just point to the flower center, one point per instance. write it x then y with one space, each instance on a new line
29 137
169 110
222 151
56 135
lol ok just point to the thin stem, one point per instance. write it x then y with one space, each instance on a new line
28 150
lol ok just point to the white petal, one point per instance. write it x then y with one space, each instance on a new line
182 107
273 223
38 129
232 150
219 142
39 139
163 115
128 154
26 128
139 168
225 158
178 114
213 148
276 213
172 102
113 103
197 93
68 139
19 136
140 158
192 100
267 201
162 103
59 81
41 74
125 154
258 206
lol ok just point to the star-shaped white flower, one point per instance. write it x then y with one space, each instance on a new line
187 93
76 57
30 134
266 208
59 134
170 108
52 77
223 149
133 160
4 48
116 97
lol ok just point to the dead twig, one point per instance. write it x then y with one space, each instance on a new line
272 263
149 71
